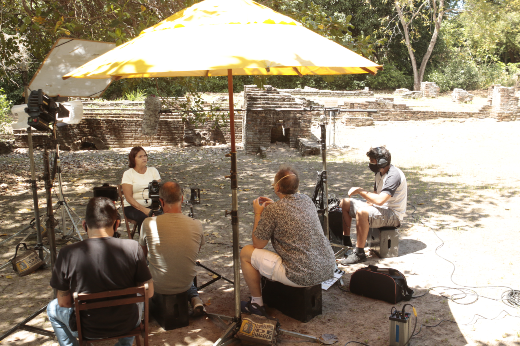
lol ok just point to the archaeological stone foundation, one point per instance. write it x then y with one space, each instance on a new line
262 116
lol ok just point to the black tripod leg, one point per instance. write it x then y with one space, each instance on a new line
22 326
212 272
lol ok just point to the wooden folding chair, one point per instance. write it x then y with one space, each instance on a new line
82 301
128 221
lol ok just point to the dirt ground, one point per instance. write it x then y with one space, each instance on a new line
458 244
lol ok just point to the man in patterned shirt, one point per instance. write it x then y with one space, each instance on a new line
303 255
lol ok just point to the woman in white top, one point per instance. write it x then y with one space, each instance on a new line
135 181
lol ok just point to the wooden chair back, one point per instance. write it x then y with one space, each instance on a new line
128 221
83 301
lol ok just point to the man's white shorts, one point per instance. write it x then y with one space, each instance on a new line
270 265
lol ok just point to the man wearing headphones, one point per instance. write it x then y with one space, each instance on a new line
384 207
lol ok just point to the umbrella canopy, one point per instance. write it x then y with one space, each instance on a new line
226 38
213 36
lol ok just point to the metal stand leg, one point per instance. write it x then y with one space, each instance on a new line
212 280
325 183
66 210
34 187
50 214
22 326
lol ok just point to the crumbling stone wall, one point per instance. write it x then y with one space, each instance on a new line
258 124
312 92
430 89
505 104
118 132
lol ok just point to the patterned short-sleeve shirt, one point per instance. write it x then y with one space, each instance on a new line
293 226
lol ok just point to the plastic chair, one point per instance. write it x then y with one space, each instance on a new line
128 221
83 301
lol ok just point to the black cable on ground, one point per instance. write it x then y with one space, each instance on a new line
510 297
357 342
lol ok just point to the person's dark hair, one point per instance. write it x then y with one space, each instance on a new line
380 153
289 184
101 213
170 192
133 154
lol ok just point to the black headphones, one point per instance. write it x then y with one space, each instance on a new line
381 161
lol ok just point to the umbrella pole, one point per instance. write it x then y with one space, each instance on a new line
233 327
234 189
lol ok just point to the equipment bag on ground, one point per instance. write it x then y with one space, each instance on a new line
27 262
380 283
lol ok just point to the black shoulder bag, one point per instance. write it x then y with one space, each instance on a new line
380 283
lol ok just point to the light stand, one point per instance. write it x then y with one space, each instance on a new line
34 188
324 175
50 213
39 246
62 203
321 193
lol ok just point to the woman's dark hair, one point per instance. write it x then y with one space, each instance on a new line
287 179
132 155
101 213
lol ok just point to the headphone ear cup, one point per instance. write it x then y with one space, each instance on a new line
382 163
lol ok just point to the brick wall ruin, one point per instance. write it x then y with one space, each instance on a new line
119 124
267 115
504 104
273 116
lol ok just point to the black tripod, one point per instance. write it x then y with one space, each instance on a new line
320 197
39 243
195 199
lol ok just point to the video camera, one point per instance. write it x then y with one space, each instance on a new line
153 194
42 111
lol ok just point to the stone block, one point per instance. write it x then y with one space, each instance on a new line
307 147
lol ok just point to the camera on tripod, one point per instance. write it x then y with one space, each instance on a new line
153 194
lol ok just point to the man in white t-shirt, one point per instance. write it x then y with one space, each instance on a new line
384 207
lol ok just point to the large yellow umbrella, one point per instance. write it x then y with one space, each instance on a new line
213 36
226 37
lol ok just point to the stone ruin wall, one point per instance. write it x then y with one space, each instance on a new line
504 104
119 125
263 111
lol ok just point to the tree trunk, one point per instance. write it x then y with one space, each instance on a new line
438 12
416 82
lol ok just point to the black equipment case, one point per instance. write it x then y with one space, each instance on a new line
380 283
107 191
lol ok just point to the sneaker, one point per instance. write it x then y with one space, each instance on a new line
353 258
252 308
198 307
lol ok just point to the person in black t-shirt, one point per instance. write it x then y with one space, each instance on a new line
97 264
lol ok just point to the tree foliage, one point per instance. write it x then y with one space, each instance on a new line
491 30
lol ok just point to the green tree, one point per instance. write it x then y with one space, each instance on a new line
410 11
29 28
5 112
492 30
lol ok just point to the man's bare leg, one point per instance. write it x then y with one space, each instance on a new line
251 275
362 226
347 221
